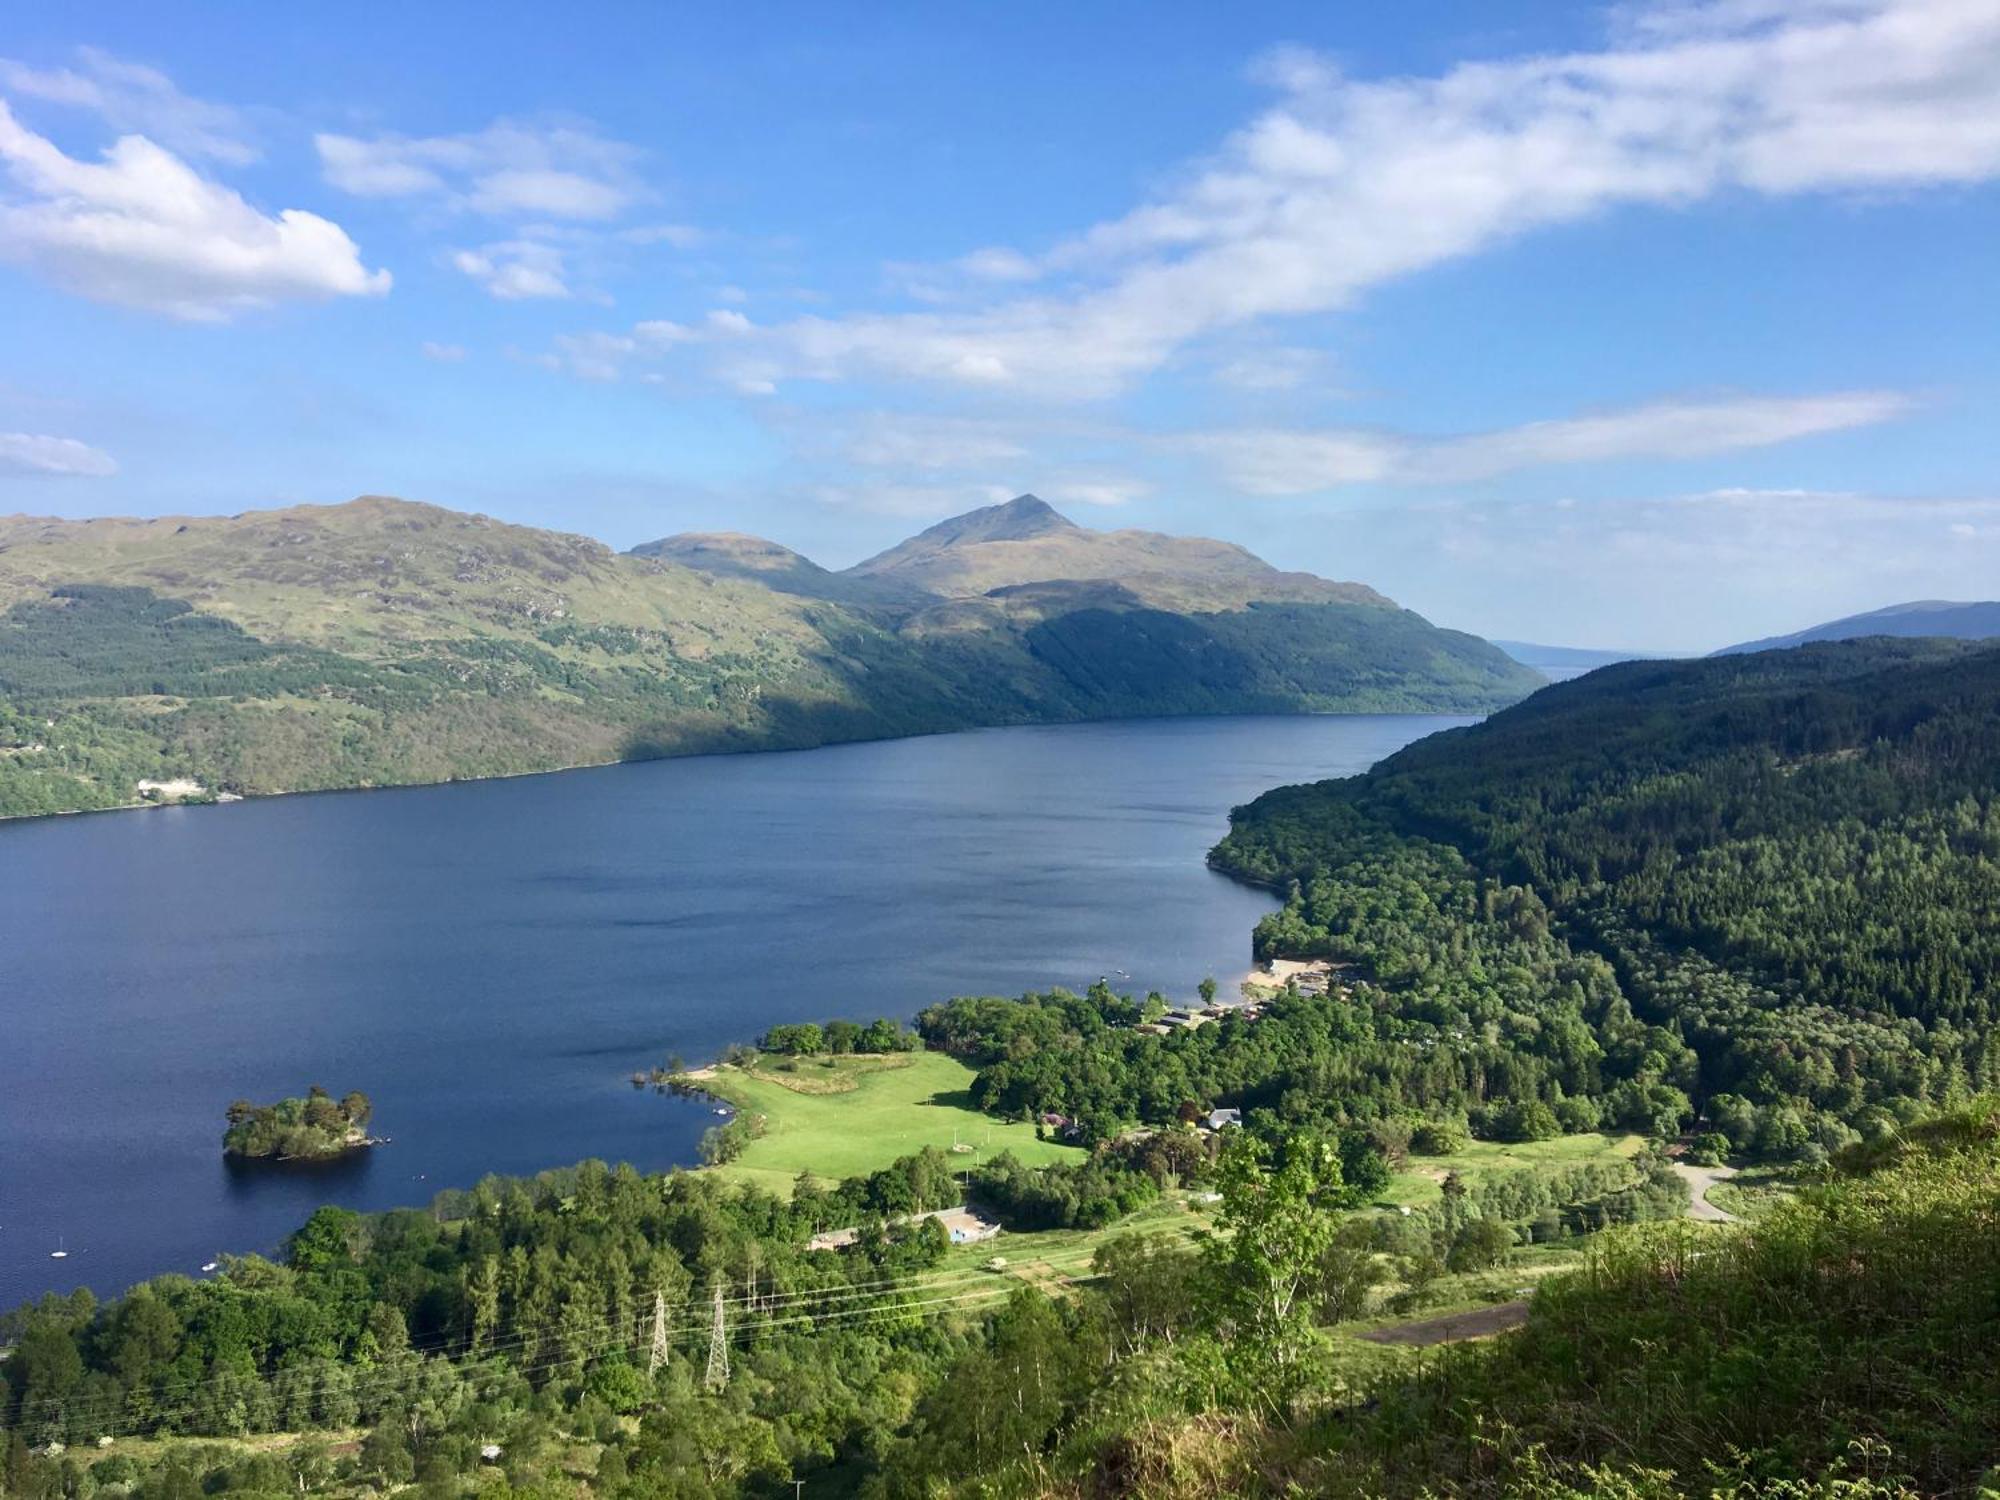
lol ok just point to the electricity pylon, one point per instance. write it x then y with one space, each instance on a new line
659 1355
718 1347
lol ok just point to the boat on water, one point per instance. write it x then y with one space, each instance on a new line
61 1251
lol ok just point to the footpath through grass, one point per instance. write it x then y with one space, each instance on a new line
839 1117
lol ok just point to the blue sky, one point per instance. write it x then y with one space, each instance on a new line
1659 325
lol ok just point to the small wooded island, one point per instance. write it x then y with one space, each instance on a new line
305 1129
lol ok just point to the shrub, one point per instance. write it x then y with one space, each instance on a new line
1439 1138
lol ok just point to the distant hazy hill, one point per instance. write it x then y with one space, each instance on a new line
1574 658
1942 617
383 641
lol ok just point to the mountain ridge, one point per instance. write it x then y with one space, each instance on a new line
1026 541
1959 620
386 641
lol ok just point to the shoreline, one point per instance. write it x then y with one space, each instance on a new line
239 798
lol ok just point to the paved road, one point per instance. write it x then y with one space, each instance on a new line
1699 1181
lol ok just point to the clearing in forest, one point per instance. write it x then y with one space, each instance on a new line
839 1117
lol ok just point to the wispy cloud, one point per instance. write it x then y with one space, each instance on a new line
515 270
444 354
1684 572
136 99
1343 185
144 229
511 169
1290 462
35 454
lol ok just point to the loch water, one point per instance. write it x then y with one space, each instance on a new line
490 961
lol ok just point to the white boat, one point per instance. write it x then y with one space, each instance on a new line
60 1252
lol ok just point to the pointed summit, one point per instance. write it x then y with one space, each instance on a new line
1026 542
1017 520
1022 519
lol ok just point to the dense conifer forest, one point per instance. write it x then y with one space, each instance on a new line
1759 892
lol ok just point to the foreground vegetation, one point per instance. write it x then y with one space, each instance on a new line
1841 1347
504 1342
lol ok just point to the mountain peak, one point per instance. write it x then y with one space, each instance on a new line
1015 520
1025 518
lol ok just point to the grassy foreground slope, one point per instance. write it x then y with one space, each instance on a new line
1842 1346
382 641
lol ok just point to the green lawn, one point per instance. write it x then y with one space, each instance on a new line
1418 1183
845 1116
1034 1255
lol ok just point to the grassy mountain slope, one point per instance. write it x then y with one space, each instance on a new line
731 554
383 641
1025 541
1925 617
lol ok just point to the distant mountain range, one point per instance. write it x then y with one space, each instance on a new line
1925 617
383 641
1571 658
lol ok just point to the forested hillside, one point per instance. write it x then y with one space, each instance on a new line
380 642
1761 894
1924 617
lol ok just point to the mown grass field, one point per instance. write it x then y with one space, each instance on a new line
845 1116
1420 1182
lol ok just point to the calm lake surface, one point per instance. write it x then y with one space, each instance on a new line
490 961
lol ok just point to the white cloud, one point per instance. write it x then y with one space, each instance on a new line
138 100
918 441
1104 490
444 354
1690 572
557 170
143 229
29 453
1291 462
1344 185
515 270
998 263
